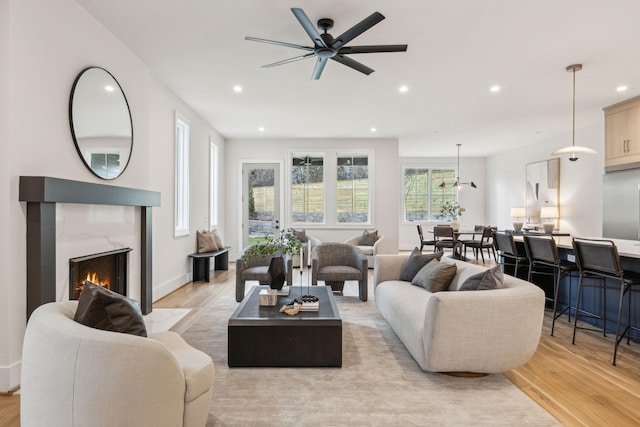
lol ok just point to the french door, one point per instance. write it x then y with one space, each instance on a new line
260 202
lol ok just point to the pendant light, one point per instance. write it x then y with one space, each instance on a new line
573 149
458 185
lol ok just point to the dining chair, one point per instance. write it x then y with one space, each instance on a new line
445 238
485 242
424 242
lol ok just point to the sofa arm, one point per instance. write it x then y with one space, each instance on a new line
483 331
388 267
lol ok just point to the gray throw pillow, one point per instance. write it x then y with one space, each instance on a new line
368 238
301 235
436 276
103 309
493 278
416 261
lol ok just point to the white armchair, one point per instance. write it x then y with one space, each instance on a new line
74 375
369 251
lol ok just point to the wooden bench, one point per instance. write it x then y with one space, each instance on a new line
201 265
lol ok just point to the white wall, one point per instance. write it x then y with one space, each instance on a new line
580 181
473 200
386 182
47 44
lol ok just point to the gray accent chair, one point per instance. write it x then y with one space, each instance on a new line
257 268
334 263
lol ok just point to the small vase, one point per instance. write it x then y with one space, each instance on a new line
455 224
276 272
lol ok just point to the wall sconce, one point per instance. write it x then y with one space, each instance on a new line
550 213
517 214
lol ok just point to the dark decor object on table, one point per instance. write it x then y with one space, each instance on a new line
277 272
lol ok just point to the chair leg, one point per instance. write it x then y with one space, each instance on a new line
240 291
363 291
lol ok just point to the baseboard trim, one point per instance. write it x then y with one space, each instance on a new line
10 378
170 286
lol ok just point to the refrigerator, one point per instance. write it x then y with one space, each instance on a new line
621 205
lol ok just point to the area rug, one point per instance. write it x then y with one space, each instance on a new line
379 383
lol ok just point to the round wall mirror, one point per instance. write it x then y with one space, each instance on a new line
101 123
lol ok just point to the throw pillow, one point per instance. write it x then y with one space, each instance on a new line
493 278
206 242
416 261
436 276
103 309
301 235
216 237
368 238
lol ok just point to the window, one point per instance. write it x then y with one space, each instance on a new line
425 191
213 184
307 188
182 176
352 196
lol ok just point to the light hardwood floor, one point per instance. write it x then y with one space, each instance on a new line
575 383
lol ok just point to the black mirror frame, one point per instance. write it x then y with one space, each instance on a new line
71 126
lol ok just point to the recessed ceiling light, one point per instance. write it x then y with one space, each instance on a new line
494 88
109 88
403 89
373 129
621 88
237 88
261 129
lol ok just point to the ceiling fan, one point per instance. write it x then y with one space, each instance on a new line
326 47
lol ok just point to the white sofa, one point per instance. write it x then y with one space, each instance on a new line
485 331
74 375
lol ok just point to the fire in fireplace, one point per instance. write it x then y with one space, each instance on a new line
108 269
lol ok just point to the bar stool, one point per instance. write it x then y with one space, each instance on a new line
543 252
507 250
600 259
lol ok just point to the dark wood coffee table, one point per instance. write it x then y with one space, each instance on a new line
262 336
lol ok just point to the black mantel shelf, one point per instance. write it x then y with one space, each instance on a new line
41 194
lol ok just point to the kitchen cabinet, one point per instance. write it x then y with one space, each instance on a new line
622 133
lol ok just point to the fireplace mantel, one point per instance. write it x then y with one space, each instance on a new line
41 193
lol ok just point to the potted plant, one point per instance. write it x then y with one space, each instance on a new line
452 210
275 247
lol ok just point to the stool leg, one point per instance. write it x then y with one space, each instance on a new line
604 298
575 320
618 339
555 297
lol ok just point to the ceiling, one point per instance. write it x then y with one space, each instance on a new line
457 50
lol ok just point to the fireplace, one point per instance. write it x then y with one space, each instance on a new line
108 269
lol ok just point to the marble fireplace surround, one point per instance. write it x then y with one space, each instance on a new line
41 194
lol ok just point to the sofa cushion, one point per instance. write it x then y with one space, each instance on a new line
368 238
415 262
103 309
435 276
206 242
492 278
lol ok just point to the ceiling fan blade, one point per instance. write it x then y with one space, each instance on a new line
286 61
357 29
295 46
308 26
317 70
373 49
353 64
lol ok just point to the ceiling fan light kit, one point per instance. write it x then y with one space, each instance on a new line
573 149
326 47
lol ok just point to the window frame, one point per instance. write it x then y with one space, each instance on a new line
370 186
298 153
430 168
182 162
213 184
